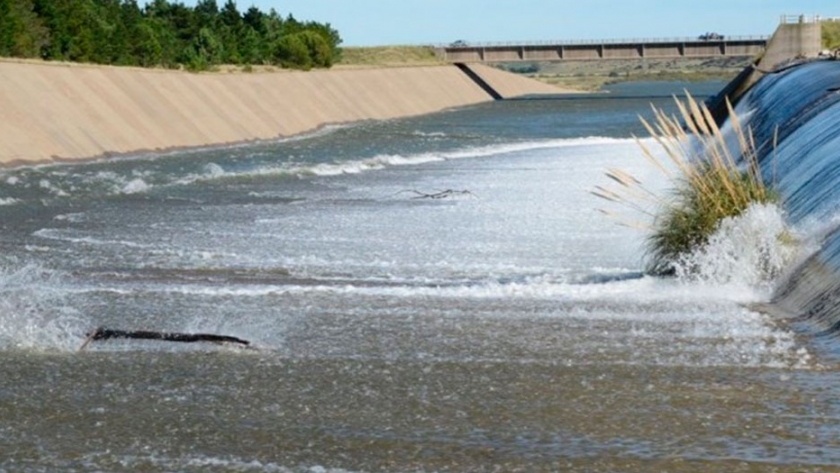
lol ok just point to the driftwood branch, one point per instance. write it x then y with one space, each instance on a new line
108 334
437 195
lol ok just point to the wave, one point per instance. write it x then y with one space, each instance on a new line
355 166
63 235
56 182
639 290
685 314
433 134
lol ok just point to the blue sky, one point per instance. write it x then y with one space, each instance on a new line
383 22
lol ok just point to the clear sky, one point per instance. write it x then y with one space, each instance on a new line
384 22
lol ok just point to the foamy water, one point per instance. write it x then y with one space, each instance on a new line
507 325
527 233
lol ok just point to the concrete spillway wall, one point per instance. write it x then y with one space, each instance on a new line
58 111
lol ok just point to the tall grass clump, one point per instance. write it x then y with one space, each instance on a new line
710 184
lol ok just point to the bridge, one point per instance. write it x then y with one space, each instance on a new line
708 46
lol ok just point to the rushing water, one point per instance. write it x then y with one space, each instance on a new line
504 327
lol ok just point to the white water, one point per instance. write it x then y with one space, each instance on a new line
525 242
750 250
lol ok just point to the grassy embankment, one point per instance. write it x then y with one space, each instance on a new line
593 75
388 56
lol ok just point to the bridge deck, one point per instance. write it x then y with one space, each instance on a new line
662 48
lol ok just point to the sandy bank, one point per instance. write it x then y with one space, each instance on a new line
59 111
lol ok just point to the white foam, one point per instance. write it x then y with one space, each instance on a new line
33 313
433 134
641 291
214 170
62 235
135 186
48 186
749 250
73 217
387 160
94 461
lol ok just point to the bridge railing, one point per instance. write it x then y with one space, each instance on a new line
588 42
788 19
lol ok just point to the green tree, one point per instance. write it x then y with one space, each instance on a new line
174 29
249 46
159 35
6 26
147 50
332 37
77 31
230 30
255 18
129 33
163 32
22 33
230 16
110 36
205 14
291 51
320 54
205 51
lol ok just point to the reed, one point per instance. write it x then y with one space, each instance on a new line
710 184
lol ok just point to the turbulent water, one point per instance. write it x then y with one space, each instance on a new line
503 326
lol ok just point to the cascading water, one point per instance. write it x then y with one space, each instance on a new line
794 116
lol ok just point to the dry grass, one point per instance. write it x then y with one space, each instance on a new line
388 56
594 75
708 186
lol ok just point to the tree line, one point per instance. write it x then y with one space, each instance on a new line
162 34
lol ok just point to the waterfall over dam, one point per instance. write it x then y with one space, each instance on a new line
794 116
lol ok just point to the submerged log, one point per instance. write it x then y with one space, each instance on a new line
102 333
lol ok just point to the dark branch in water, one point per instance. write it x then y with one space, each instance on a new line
108 334
437 195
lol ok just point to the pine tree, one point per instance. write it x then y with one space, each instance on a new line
22 33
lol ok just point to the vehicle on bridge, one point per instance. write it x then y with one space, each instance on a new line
710 36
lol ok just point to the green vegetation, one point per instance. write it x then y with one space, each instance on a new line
830 34
162 33
388 55
708 188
